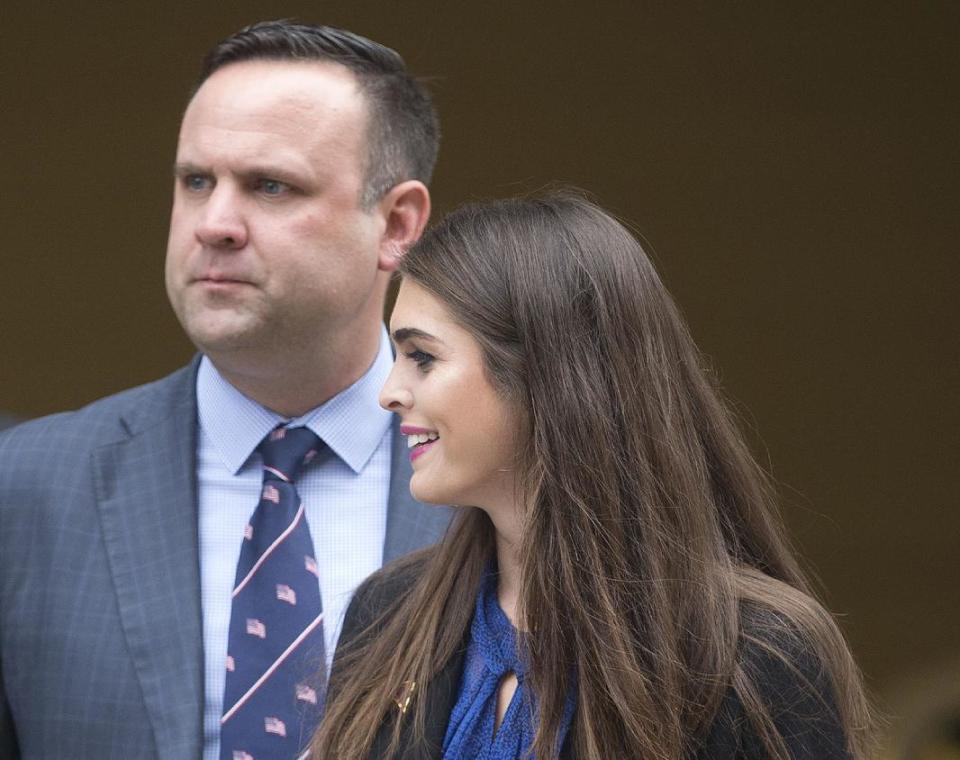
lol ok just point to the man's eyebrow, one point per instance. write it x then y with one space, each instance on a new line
185 168
274 172
406 333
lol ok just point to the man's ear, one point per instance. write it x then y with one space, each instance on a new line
406 209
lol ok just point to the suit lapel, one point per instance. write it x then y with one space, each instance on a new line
147 496
440 697
410 524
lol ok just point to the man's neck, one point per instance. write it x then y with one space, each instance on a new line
298 383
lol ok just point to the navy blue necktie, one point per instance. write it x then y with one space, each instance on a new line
273 694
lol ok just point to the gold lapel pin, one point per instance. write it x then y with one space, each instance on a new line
406 695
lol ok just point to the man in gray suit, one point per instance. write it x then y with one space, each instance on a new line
301 176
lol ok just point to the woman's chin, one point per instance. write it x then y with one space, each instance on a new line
425 493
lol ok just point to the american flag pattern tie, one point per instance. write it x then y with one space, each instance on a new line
273 694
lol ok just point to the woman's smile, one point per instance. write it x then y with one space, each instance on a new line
419 440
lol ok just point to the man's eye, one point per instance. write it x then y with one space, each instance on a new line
272 187
422 359
196 182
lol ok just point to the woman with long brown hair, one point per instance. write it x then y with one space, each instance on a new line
616 583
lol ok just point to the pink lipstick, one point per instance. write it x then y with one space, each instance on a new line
413 430
419 439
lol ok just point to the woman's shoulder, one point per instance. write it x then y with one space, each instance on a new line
382 592
771 639
374 602
779 670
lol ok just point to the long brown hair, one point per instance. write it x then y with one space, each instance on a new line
650 531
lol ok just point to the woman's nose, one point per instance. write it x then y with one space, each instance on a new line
393 396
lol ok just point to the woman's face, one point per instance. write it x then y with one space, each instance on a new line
462 432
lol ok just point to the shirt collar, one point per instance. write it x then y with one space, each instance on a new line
351 423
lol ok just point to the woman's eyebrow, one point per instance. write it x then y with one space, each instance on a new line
406 333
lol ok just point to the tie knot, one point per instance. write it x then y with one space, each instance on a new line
286 450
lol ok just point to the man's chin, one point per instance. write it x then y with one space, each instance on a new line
223 336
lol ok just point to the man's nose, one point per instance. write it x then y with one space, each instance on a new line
222 223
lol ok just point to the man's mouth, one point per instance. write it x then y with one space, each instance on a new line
221 280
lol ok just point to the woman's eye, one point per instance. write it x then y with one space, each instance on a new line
422 359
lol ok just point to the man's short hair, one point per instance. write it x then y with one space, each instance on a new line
402 131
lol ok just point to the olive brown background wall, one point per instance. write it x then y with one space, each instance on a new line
795 169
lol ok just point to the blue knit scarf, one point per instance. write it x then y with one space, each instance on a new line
492 654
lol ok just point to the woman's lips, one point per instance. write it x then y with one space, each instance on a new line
413 430
421 448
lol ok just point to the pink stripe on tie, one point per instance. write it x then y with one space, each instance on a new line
277 472
270 549
269 671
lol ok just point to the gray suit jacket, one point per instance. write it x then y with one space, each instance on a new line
101 651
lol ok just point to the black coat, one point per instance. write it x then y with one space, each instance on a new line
805 716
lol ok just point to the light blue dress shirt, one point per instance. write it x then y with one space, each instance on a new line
344 496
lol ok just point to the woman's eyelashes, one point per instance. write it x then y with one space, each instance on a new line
422 359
